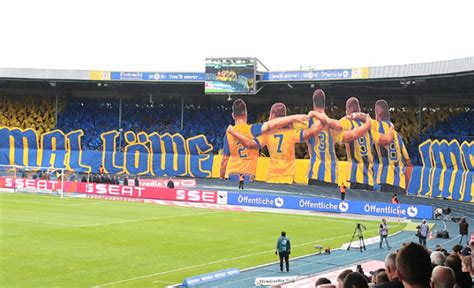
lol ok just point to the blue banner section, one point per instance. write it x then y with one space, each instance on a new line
143 153
307 75
330 205
197 280
157 76
447 171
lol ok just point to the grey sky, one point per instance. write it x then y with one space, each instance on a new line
179 35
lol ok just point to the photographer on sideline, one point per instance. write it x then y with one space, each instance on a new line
283 249
423 232
383 232
463 230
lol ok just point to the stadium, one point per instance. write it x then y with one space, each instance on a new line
238 175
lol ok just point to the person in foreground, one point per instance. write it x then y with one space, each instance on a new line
283 249
442 277
355 280
414 266
391 269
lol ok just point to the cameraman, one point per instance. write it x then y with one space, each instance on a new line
383 232
283 249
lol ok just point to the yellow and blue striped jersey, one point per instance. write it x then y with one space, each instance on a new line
390 162
360 155
324 163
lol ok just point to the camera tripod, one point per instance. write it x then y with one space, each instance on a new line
358 231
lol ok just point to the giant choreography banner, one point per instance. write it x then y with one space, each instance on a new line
447 171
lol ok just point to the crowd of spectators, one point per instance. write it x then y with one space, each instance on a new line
97 116
25 112
413 266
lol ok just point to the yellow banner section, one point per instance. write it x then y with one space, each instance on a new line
360 73
302 166
99 75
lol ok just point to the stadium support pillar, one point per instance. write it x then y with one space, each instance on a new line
182 113
420 111
120 113
56 107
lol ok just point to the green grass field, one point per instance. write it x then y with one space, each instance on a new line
51 242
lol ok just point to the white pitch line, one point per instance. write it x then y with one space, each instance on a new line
159 281
107 223
50 203
38 222
218 261
146 219
34 202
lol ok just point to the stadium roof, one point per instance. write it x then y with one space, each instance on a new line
455 66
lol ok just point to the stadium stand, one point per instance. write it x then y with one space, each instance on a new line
28 112
95 116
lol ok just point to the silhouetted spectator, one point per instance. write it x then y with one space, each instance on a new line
170 183
137 182
457 250
437 258
322 280
125 181
467 265
463 279
355 280
381 278
442 277
342 276
414 266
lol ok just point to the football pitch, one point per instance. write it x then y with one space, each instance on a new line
46 241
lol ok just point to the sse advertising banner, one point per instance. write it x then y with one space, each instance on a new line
35 185
330 205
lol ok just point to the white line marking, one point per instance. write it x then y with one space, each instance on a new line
219 261
159 281
38 222
146 219
50 203
33 202
107 223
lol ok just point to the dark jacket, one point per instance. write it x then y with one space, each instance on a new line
464 279
463 227
395 283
